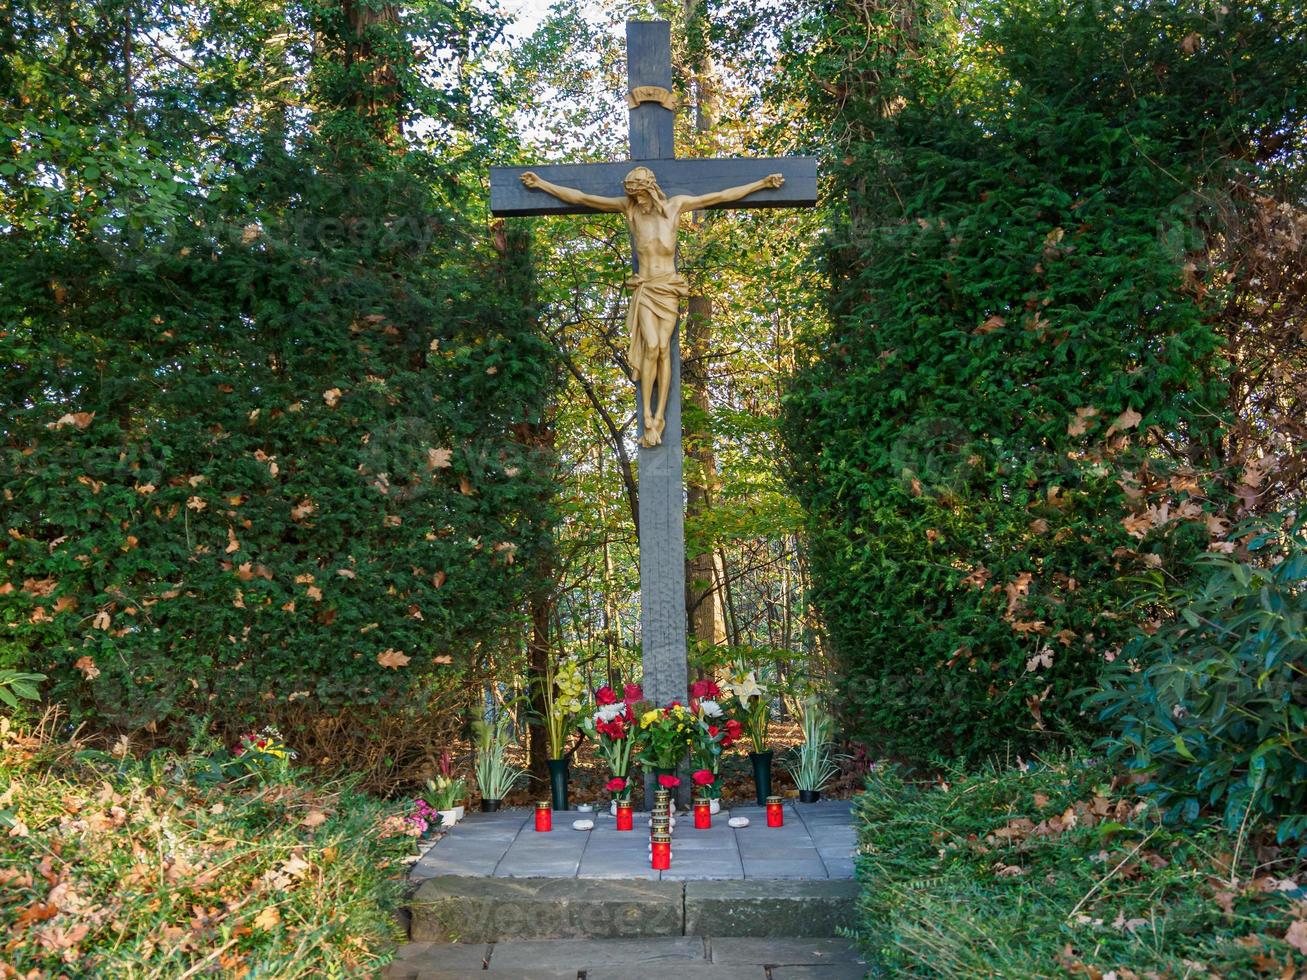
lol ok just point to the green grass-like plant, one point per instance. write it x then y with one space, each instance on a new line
812 764
1050 871
116 867
495 777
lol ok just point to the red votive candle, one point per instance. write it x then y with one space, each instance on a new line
702 814
625 815
544 816
775 812
661 852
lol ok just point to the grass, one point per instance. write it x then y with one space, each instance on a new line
1058 870
118 867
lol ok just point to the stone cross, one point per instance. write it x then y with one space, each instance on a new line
662 502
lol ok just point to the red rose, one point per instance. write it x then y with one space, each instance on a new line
713 730
702 778
616 729
727 742
668 782
629 715
704 689
616 784
634 692
734 728
605 695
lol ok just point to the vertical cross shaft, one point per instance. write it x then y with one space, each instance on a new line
662 504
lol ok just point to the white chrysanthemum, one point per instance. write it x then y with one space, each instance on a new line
710 709
608 712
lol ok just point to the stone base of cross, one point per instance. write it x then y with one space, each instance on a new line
652 103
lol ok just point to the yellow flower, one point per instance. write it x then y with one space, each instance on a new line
650 717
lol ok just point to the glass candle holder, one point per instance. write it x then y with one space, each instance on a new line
625 815
544 816
660 858
702 814
775 812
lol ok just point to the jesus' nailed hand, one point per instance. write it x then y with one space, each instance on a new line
656 291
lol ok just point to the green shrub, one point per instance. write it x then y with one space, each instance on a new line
1047 872
1016 405
263 378
1213 705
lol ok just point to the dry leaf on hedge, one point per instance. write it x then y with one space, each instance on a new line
1126 420
393 659
1297 935
331 396
314 818
269 918
1080 424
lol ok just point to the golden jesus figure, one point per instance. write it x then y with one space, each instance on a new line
656 290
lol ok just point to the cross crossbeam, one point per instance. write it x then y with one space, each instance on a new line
508 198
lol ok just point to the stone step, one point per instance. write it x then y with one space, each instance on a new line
682 957
461 909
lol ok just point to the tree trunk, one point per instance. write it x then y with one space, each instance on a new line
702 599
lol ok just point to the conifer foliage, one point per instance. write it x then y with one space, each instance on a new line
1019 405
262 380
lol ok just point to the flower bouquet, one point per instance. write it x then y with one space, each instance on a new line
750 707
563 687
612 726
665 735
711 735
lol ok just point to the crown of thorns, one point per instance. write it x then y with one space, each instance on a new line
641 179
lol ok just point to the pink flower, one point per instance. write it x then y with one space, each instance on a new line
668 782
605 695
634 692
702 777
616 784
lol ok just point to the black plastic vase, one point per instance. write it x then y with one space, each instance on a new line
558 782
761 775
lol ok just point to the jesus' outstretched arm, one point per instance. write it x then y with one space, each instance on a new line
572 196
689 202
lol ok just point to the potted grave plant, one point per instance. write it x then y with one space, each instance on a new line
444 793
446 789
613 727
563 687
495 777
812 764
751 710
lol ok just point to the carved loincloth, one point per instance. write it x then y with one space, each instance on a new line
661 295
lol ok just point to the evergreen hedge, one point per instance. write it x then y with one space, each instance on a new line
1018 405
263 382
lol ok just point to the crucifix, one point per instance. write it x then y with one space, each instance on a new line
652 190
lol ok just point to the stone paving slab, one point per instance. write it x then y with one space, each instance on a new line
817 841
687 958
640 955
